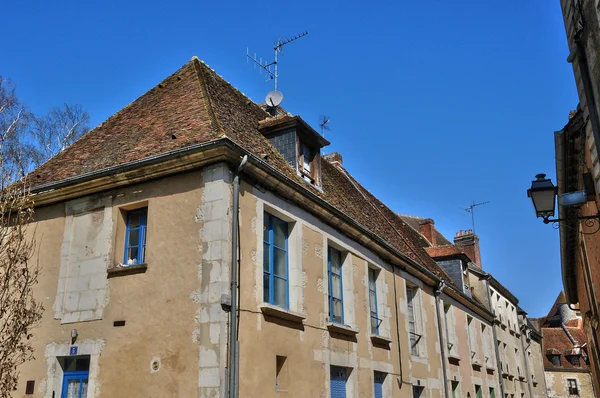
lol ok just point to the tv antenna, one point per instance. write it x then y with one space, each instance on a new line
324 123
273 73
471 209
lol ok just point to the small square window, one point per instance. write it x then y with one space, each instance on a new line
135 236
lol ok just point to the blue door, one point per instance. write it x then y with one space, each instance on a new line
338 382
75 384
378 386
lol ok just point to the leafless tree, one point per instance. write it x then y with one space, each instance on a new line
61 127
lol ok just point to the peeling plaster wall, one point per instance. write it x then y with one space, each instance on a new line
310 348
156 305
556 383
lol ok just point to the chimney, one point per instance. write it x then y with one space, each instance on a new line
333 157
427 229
469 243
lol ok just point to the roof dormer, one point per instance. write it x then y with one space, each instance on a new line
298 143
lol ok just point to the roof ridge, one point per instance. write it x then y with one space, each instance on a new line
206 95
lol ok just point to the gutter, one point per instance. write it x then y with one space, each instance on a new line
437 293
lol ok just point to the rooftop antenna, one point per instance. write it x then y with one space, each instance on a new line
324 123
271 68
471 209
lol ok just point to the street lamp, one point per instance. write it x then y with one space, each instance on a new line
543 195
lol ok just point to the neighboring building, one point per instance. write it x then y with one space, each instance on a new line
513 340
338 296
578 168
566 359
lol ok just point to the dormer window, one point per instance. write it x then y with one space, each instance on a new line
305 163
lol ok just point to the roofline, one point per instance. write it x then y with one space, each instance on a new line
189 158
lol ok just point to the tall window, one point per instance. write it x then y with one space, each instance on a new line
484 340
472 337
411 300
135 236
338 382
572 387
75 376
373 301
492 393
450 330
455 391
275 261
378 384
336 302
478 392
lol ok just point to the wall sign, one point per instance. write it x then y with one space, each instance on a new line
73 350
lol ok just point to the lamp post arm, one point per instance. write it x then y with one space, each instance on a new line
549 220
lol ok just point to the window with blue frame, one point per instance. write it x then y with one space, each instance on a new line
75 376
135 236
337 382
275 261
373 301
379 377
334 270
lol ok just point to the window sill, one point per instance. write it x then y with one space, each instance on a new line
454 359
521 378
476 365
380 340
511 332
490 370
497 321
273 310
342 329
503 326
126 270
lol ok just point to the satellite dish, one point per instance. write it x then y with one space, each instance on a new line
274 98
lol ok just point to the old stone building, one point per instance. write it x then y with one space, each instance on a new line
566 352
578 169
197 245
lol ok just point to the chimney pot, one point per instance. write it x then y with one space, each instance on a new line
468 242
427 229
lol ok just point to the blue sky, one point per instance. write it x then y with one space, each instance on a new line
433 104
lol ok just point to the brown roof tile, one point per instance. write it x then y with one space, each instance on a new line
195 105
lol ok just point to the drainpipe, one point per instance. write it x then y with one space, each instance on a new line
437 293
496 349
524 349
233 335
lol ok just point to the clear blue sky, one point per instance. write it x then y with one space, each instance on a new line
433 104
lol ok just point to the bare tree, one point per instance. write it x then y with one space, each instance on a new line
19 310
61 127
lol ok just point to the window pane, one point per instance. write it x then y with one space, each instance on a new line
132 254
266 227
134 219
374 322
279 233
371 279
82 363
337 311
280 293
279 266
266 288
84 386
134 237
73 389
372 302
266 254
335 287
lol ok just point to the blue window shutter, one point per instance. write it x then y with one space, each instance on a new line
378 386
275 261
338 382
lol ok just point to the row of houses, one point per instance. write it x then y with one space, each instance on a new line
198 244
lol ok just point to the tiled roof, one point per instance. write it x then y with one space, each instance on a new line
195 105
415 223
556 341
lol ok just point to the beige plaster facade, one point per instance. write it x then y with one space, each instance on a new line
558 384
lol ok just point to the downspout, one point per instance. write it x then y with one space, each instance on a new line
523 335
233 333
400 379
437 293
496 349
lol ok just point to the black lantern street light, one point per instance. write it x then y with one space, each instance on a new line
543 195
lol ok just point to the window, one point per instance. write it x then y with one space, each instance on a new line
484 341
373 301
135 236
575 361
305 162
472 338
555 360
418 392
572 387
455 391
411 300
378 377
478 393
338 382
492 393
450 330
75 376
281 373
275 261
336 302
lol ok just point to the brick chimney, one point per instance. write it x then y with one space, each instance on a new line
333 157
427 229
469 243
